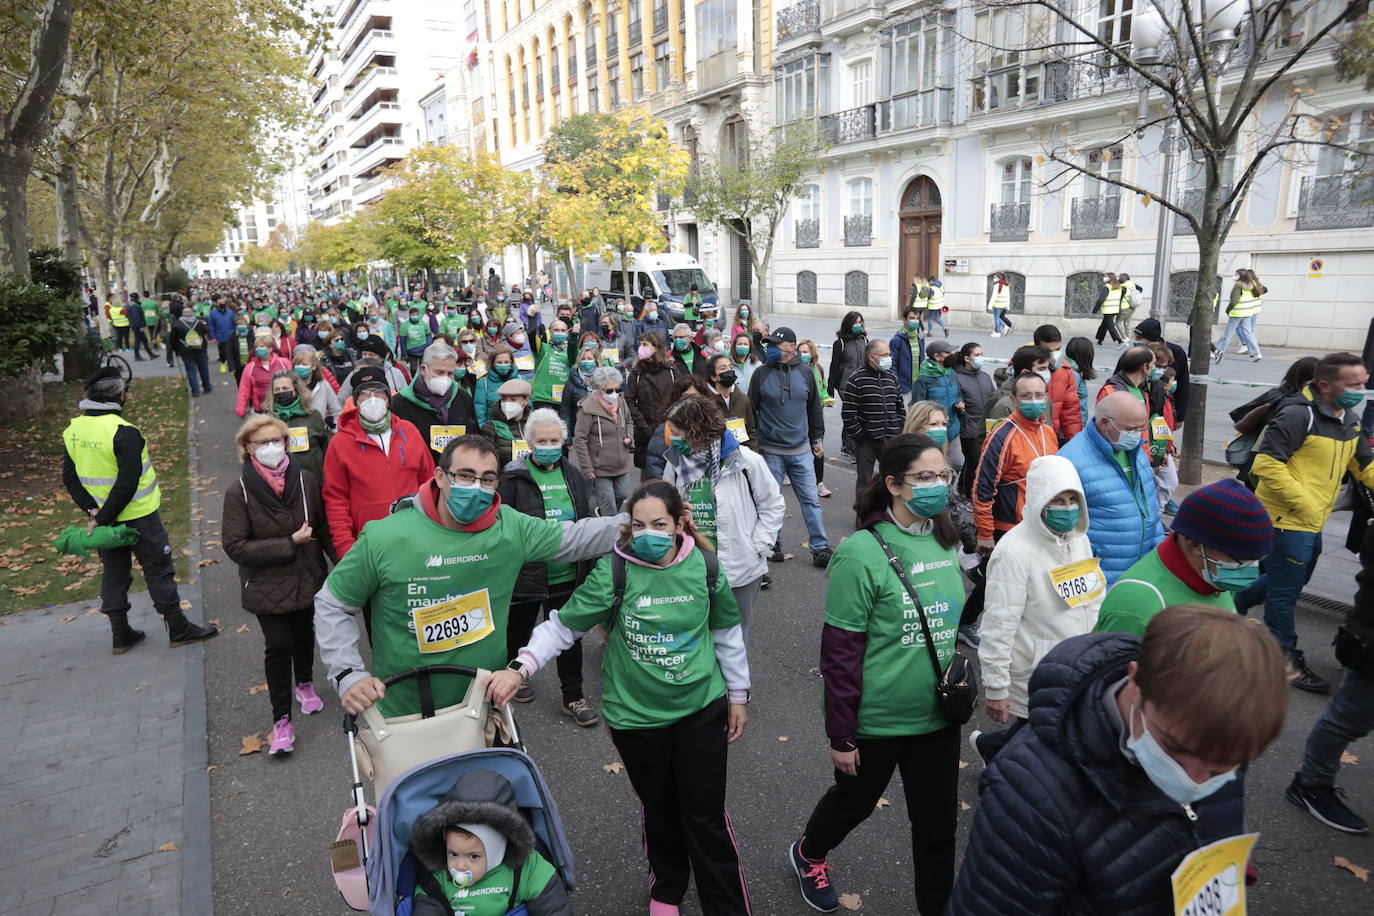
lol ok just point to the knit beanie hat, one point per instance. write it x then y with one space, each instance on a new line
1226 516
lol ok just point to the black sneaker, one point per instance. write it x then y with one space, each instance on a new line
1326 805
126 639
524 694
813 881
1303 677
581 712
766 581
777 556
821 558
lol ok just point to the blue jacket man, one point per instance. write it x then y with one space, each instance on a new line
1123 513
908 350
221 322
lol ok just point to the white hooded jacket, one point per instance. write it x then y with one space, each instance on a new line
1025 617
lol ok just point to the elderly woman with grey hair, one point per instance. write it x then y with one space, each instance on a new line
602 439
545 484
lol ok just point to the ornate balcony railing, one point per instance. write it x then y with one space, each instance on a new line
919 108
850 126
798 19
1009 222
660 19
858 231
808 233
636 32
1336 202
1191 200
1095 217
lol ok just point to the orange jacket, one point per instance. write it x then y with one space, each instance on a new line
999 489
1067 412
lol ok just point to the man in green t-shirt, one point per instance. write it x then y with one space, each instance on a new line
438 575
1219 535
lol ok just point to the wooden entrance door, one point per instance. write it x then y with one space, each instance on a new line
921 217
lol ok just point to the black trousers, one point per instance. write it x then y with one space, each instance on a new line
154 554
122 336
290 649
141 340
678 772
930 777
1108 326
520 624
973 448
977 596
866 452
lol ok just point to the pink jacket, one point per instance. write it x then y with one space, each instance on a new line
255 383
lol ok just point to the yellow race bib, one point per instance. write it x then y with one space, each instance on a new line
298 439
453 623
1211 881
478 368
439 436
519 448
524 363
1160 431
1079 583
610 355
736 426
557 392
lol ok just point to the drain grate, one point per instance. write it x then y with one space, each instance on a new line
1326 604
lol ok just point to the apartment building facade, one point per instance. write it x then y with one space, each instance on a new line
287 206
938 119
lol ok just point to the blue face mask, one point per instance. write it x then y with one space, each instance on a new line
978 362
547 457
774 354
1229 577
1166 772
928 502
467 502
1130 438
651 546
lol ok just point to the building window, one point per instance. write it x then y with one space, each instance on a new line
1182 289
1114 21
661 59
1080 293
591 40
806 286
1017 283
1107 163
613 83
795 88
637 77
855 289
860 83
636 24
861 197
593 93
806 209
715 27
734 143
1006 50
1016 181
612 33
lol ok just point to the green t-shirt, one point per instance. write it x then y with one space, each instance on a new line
1127 462
550 376
660 661
1144 590
865 596
452 325
703 499
687 356
558 506
492 896
150 311
407 564
691 306
416 333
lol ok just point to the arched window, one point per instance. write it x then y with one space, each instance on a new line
806 286
1182 288
1018 290
1080 293
855 289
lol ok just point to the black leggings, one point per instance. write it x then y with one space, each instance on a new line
930 778
290 641
973 450
1108 326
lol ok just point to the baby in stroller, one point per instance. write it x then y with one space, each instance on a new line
478 857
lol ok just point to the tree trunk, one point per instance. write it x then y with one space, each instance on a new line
14 210
1200 351
68 209
23 395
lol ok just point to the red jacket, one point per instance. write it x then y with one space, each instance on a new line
999 489
255 383
1068 411
284 347
361 482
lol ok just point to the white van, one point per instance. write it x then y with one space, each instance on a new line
666 277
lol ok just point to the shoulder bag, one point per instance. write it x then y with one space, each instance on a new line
956 687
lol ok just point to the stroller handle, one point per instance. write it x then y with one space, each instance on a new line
422 674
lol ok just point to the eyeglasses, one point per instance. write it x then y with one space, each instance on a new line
928 478
467 479
259 443
1128 429
610 391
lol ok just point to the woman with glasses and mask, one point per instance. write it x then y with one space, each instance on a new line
309 436
878 676
274 530
602 439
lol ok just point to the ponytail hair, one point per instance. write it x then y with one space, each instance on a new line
897 456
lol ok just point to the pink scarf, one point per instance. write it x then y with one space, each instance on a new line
612 409
275 477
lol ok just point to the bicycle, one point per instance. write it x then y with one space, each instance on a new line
110 359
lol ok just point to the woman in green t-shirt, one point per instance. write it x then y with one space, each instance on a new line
878 677
675 681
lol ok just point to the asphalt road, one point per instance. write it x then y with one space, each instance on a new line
272 819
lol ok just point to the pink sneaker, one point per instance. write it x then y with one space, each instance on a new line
659 908
310 701
283 738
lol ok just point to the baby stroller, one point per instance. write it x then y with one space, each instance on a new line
413 761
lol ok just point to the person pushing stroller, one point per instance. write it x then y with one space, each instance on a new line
478 855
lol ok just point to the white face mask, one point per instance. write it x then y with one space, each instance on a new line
512 409
270 455
439 384
517 339
611 396
373 409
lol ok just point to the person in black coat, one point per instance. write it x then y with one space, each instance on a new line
440 408
546 484
1149 331
1129 762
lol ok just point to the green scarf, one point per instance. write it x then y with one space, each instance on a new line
502 429
377 428
287 411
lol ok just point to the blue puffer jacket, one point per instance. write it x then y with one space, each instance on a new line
1066 824
941 385
902 365
1123 520
221 324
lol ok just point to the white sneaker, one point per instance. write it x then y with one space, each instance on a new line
995 334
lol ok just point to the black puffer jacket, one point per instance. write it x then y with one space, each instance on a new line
276 575
1066 824
519 491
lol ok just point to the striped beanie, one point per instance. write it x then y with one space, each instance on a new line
1226 516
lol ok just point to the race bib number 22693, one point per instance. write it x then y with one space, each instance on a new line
454 623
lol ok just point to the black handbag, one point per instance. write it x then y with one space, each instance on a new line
956 687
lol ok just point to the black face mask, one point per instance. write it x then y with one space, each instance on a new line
728 379
284 398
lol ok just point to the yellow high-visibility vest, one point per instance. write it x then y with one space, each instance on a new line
1112 304
119 316
1000 299
90 443
1248 304
937 298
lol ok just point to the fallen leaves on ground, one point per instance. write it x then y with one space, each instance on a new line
212 767
243 629
883 803
783 738
962 764
185 605
207 563
615 766
851 901
965 806
93 612
167 847
66 619
252 744
1356 870
256 689
789 556
1347 757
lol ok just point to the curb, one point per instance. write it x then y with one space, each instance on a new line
196 872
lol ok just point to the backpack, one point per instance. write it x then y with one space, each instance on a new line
618 577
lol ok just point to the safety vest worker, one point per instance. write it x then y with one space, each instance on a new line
1115 298
1246 304
119 315
110 477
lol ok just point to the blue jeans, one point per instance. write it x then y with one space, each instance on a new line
1244 328
1286 572
197 366
999 320
1347 718
934 317
801 470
